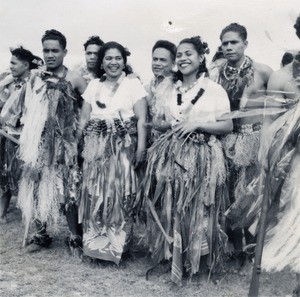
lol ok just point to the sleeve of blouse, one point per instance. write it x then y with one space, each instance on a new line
223 105
138 91
89 92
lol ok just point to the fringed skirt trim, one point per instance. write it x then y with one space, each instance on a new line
183 187
108 187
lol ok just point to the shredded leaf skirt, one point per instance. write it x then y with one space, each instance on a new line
241 150
10 166
183 188
108 187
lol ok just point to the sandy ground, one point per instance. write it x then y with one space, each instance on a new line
54 272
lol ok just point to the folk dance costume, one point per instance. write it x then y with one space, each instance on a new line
241 146
280 156
109 180
10 112
48 149
159 94
189 174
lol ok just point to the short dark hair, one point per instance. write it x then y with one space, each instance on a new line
169 46
237 28
107 46
297 57
287 58
25 55
93 40
55 35
297 26
218 55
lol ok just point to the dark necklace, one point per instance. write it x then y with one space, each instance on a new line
193 101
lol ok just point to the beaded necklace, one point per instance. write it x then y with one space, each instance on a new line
185 90
230 72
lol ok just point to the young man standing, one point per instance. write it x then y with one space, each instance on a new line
91 48
22 61
244 80
161 86
48 145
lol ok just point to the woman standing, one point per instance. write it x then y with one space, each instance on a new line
113 119
187 165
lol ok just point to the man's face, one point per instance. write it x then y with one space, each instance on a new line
53 54
162 62
233 47
91 56
17 67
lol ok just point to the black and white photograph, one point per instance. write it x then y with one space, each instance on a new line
150 148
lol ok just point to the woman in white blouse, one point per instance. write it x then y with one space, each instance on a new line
187 166
113 123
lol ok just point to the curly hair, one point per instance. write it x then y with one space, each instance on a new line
202 48
93 40
112 45
25 55
55 35
237 28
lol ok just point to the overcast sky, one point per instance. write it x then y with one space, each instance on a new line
137 24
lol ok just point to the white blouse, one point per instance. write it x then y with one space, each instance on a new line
119 104
213 103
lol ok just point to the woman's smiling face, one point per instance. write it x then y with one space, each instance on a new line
188 59
113 63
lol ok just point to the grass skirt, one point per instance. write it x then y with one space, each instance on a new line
183 186
11 167
48 149
241 149
280 154
108 187
282 247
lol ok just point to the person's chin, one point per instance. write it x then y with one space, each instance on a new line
91 65
51 66
231 58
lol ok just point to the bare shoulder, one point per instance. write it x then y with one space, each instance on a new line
264 70
73 76
278 79
77 81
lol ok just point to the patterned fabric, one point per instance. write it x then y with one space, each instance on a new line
108 187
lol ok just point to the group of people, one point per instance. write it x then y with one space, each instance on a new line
191 155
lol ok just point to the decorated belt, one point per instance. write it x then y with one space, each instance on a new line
115 126
247 128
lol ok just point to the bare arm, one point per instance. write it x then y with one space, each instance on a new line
80 85
215 128
78 82
275 84
84 117
140 110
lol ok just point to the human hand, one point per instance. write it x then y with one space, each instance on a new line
184 128
140 157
